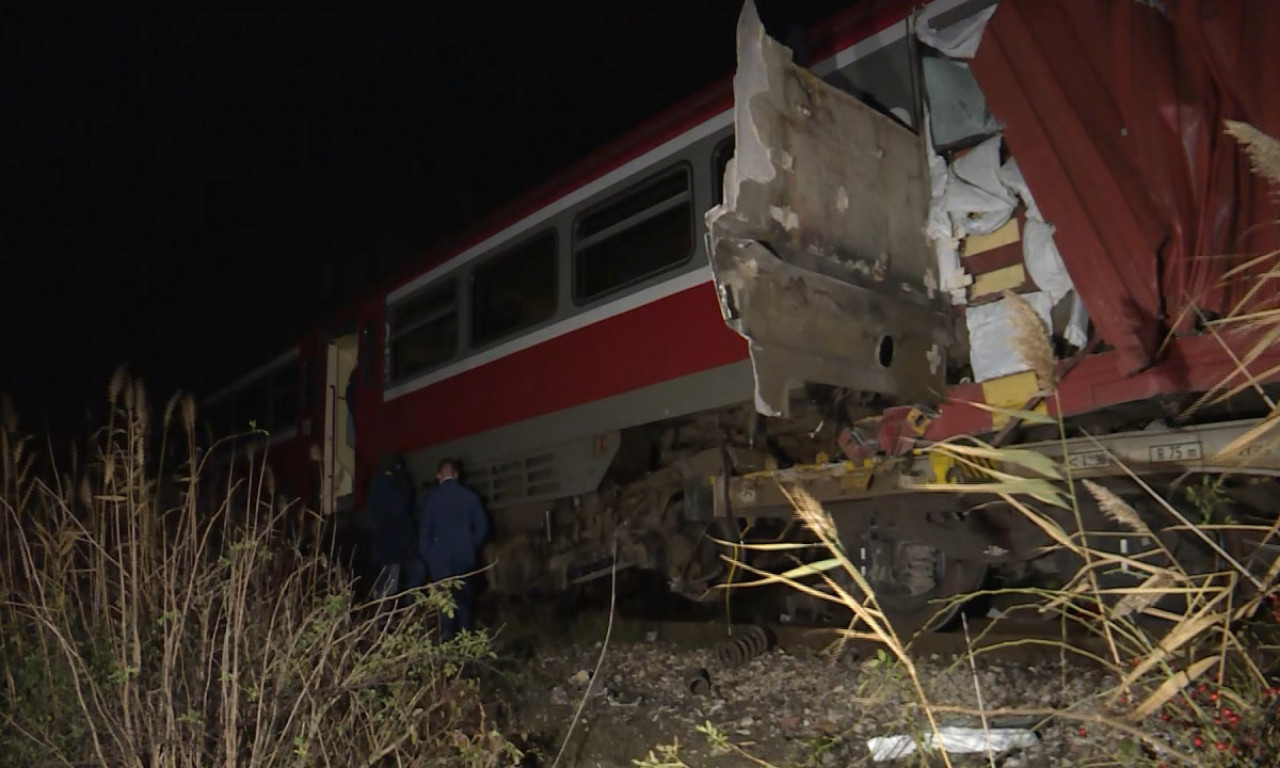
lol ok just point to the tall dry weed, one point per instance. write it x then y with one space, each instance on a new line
168 621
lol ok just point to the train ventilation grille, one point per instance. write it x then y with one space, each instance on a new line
509 482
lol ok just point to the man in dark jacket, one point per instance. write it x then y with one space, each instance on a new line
391 517
451 529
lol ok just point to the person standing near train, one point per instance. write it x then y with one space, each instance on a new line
395 557
452 528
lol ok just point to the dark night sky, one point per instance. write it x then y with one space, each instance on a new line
188 191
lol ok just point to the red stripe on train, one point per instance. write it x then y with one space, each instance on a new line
676 336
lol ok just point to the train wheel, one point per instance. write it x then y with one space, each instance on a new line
919 588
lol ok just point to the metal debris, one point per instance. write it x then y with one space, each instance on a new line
749 643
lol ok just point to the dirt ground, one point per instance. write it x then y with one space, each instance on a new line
790 708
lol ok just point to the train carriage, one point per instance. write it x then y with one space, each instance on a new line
808 268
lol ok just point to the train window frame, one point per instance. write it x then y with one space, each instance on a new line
394 334
717 172
477 308
577 246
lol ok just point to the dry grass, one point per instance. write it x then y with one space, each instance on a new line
158 616
1263 150
1030 340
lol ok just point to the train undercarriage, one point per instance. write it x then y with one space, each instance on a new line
921 528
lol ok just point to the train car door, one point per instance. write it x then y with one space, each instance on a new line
338 459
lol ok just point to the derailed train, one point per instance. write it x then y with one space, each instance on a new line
802 276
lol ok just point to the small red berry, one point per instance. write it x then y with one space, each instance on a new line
1083 731
1197 741
1222 746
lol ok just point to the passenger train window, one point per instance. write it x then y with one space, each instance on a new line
424 331
645 230
514 290
720 157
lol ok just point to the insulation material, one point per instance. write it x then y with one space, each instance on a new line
1011 176
998 281
960 40
938 228
1077 332
979 244
976 198
991 352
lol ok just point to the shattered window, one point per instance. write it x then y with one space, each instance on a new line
634 235
424 330
958 112
720 157
514 290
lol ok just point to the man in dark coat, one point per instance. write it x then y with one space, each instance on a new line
395 555
451 528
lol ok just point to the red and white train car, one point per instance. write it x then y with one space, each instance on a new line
575 335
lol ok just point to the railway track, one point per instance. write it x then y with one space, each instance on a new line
733 643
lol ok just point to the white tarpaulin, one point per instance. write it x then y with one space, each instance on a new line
955 739
1077 332
938 228
991 352
976 198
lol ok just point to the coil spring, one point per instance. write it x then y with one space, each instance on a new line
745 645
699 682
916 568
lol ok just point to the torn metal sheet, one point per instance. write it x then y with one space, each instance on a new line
818 251
803 326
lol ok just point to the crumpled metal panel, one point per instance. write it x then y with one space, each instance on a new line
1114 111
818 251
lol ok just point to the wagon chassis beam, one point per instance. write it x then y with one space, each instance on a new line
1165 451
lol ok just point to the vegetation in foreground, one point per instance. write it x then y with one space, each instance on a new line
157 614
